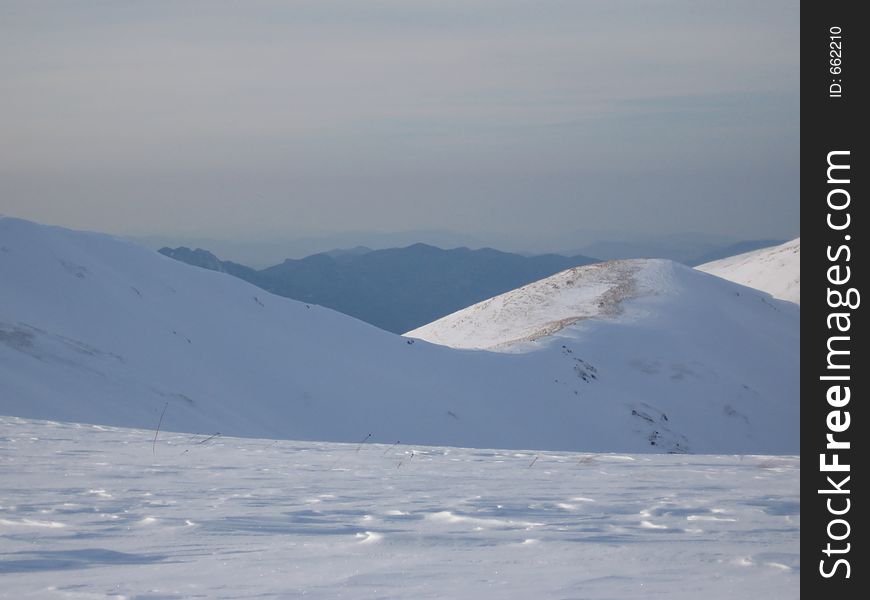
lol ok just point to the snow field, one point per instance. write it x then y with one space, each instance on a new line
89 511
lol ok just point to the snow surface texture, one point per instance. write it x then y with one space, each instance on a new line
89 511
775 270
667 359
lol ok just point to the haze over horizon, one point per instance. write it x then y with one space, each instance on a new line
506 123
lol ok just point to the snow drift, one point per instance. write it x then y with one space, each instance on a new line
775 270
100 330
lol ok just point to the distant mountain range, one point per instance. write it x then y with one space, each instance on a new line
689 248
397 289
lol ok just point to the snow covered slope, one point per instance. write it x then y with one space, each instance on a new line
96 329
775 270
544 307
90 512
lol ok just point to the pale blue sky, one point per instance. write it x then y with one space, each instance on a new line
534 118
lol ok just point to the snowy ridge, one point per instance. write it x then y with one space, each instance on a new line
542 308
775 270
99 330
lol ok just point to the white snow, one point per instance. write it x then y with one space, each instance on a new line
91 512
657 358
544 308
775 270
540 308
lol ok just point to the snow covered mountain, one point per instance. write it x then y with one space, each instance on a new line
775 270
545 307
100 330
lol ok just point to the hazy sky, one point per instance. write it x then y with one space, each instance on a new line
264 118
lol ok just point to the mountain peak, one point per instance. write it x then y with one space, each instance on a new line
545 307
